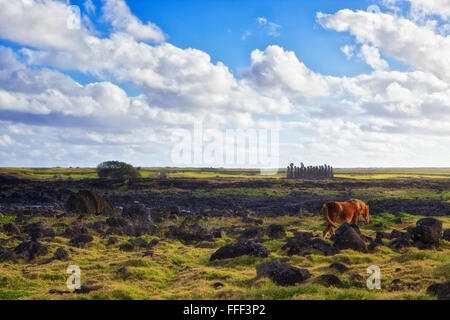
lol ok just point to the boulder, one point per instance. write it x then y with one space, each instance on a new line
242 247
112 240
159 215
446 235
248 219
123 271
137 229
189 234
276 231
339 267
126 247
75 229
88 202
441 290
38 230
7 256
329 280
61 254
11 227
116 221
139 242
296 245
86 289
356 277
28 250
281 273
80 240
136 211
324 246
396 234
98 226
428 232
252 232
348 236
400 243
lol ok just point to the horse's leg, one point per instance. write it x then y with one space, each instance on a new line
327 229
331 231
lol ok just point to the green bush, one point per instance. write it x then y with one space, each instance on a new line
117 169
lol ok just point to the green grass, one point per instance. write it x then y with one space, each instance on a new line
5 218
209 173
13 295
179 271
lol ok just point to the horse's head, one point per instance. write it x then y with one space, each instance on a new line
366 214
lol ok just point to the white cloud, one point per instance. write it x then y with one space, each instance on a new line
397 37
279 72
327 118
41 24
271 28
419 8
119 15
348 51
372 57
89 7
5 140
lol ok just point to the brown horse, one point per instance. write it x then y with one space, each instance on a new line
348 211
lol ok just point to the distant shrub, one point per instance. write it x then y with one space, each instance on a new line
117 169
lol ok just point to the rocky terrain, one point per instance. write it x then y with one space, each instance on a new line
219 239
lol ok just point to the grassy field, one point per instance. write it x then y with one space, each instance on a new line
205 173
178 271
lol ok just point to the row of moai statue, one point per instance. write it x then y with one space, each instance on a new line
310 172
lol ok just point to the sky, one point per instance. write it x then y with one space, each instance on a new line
347 83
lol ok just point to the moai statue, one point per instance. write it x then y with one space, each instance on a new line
332 173
291 170
302 171
287 172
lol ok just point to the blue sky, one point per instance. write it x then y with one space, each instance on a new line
345 85
217 27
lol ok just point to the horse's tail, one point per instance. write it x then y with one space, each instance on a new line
324 211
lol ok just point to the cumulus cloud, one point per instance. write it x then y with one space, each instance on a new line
119 15
372 57
420 8
397 37
327 118
280 72
40 23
